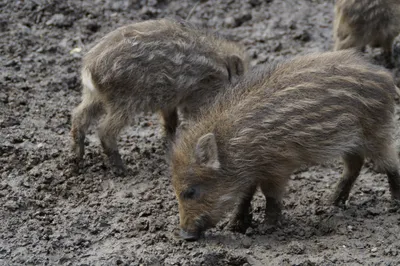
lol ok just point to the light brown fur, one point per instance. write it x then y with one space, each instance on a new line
359 23
158 65
301 112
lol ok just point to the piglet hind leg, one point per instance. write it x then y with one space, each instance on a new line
394 184
109 129
387 159
388 52
170 122
273 191
242 217
390 164
347 43
352 167
82 116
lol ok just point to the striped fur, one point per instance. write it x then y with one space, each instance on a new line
359 23
156 65
305 111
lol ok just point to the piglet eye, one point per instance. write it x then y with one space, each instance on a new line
190 193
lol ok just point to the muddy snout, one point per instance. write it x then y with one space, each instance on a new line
190 236
196 231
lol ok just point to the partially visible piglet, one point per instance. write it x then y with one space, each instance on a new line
157 65
305 111
359 23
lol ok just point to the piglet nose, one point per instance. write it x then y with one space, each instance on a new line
189 236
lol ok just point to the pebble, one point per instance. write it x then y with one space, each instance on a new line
391 251
11 205
249 231
57 20
296 248
350 228
246 242
230 22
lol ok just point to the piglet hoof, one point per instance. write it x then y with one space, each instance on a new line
396 198
339 200
389 64
117 165
377 169
272 219
271 222
73 170
273 211
341 203
240 224
119 170
74 165
395 203
266 228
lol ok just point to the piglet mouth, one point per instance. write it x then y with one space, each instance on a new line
203 223
190 236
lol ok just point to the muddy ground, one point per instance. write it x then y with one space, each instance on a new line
48 217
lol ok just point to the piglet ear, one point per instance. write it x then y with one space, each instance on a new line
207 151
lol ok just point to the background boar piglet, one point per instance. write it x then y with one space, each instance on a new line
359 23
305 111
157 65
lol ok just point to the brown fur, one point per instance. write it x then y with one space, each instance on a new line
305 111
359 23
157 65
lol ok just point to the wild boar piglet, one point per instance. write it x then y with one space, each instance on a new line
301 112
359 23
156 65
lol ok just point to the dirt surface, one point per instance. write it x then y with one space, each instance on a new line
49 217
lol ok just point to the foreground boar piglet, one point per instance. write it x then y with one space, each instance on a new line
359 23
305 111
157 65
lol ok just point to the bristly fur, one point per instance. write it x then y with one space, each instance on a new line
359 23
157 65
303 111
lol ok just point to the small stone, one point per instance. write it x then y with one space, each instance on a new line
249 231
242 19
255 3
350 228
390 251
320 210
277 47
11 205
58 20
230 22
303 36
76 50
374 250
296 248
374 211
246 242
148 12
128 194
48 179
